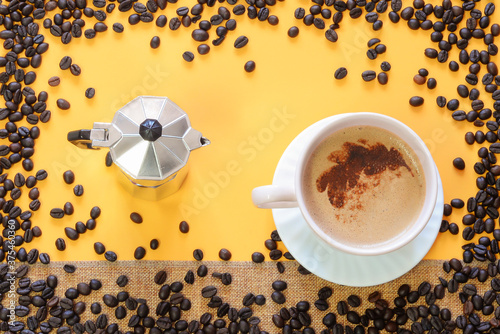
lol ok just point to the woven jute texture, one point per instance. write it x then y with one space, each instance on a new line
246 277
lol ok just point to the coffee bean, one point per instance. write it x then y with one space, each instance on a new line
154 244
160 277
354 301
118 27
41 174
188 56
249 66
275 254
69 268
89 93
78 190
224 254
293 32
431 53
226 279
382 78
139 253
202 271
416 101
122 281
431 83
457 203
69 177
368 75
75 69
68 208
340 73
110 256
136 217
198 254
65 63
54 81
155 42
441 101
257 257
110 300
99 248
209 291
419 79
71 233
459 163
184 227
240 42
331 35
57 213
60 244
278 297
44 258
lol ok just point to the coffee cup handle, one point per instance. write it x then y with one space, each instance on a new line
274 197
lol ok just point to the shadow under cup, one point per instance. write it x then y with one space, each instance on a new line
415 226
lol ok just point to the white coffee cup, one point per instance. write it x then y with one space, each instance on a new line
274 196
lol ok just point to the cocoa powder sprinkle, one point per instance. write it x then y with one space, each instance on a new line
352 160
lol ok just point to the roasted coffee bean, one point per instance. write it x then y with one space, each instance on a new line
278 297
340 73
431 83
68 208
459 164
199 35
257 257
198 254
122 281
331 35
368 75
293 32
118 27
65 63
110 300
224 254
78 190
226 278
240 42
209 291
71 233
57 213
249 66
60 244
54 81
457 203
69 268
110 256
354 301
275 254
44 258
419 79
382 78
136 217
69 177
160 277
184 227
416 101
248 299
139 253
188 56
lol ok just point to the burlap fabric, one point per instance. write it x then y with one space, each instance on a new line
246 277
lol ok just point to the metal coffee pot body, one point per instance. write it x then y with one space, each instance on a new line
150 140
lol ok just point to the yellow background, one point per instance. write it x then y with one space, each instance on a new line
235 110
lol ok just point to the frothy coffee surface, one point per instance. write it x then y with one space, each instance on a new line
364 186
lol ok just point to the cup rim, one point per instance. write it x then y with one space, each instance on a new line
403 131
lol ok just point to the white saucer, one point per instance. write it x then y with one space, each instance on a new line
332 264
